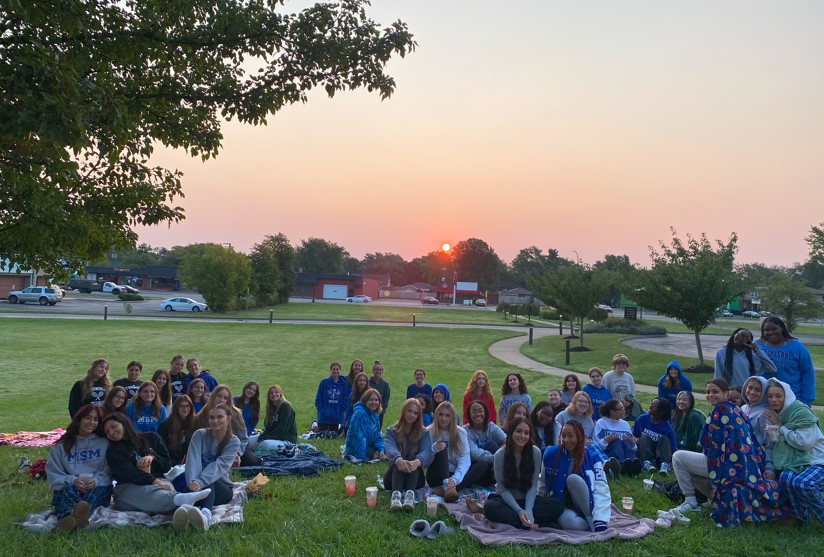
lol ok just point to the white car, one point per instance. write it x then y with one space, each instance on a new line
360 298
182 304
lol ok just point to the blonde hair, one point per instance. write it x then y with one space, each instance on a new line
409 432
455 443
571 406
89 381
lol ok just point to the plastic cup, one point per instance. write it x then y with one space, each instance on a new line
648 485
627 503
85 477
349 481
431 506
371 496
772 433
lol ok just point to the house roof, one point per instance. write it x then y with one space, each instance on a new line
516 292
314 278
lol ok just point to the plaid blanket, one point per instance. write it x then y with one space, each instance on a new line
45 521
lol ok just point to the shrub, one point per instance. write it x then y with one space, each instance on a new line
503 307
126 297
550 313
598 314
624 326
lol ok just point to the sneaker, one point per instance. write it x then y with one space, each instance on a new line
626 467
201 519
611 467
648 466
409 500
66 524
80 513
664 469
450 495
686 508
395 503
180 518
663 522
25 464
635 467
679 518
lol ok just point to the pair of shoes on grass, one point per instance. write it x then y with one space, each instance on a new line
422 529
185 515
449 494
670 517
78 518
407 503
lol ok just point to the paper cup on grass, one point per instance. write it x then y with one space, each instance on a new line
648 485
627 503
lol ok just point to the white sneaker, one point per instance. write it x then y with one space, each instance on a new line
663 522
686 508
664 469
395 503
409 500
679 518
648 466
200 518
180 518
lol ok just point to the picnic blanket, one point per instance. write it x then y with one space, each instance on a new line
622 526
303 463
107 516
32 438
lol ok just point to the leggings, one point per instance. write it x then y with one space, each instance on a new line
395 480
220 495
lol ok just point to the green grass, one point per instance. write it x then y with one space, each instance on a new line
295 516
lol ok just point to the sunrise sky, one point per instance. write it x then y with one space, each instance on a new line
583 126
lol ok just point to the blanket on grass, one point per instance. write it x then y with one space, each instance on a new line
302 463
107 516
621 526
32 438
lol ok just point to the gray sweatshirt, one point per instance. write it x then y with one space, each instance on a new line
203 464
87 456
483 443
511 496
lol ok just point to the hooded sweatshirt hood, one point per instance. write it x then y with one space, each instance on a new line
789 396
443 388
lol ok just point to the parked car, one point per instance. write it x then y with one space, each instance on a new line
44 295
85 286
129 289
430 300
604 307
753 314
764 313
480 302
182 304
726 313
360 298
114 288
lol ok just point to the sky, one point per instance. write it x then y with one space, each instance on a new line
589 127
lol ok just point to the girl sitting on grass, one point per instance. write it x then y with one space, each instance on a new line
408 449
359 386
478 389
363 438
598 394
687 422
116 400
249 405
354 369
516 410
543 425
614 436
278 424
484 438
517 468
176 431
573 472
426 408
223 395
331 400
145 409
197 394
571 386
513 390
79 485
164 388
451 459
579 410
556 403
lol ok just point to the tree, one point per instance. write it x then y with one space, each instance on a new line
221 274
436 268
813 269
317 255
91 87
532 262
754 275
390 264
689 281
574 290
789 297
477 262
273 270
616 269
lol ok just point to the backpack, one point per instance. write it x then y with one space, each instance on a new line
37 471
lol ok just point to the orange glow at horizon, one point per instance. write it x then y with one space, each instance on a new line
445 247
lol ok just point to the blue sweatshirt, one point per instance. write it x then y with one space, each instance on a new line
413 390
250 422
598 396
794 367
670 393
332 400
207 377
644 426
364 433
147 420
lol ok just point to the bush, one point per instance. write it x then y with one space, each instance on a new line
503 307
624 326
598 314
126 297
550 313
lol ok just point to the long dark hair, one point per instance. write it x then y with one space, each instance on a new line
549 429
776 321
679 420
179 428
519 477
254 402
731 352
577 457
130 435
73 430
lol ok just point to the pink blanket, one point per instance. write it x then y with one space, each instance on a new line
621 526
31 438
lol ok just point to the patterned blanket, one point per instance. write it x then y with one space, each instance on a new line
32 438
107 516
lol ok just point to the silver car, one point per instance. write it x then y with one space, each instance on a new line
182 304
44 295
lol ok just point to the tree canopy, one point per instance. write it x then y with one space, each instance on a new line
320 256
477 262
689 281
219 273
790 298
273 270
90 87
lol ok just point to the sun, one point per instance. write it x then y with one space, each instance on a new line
445 247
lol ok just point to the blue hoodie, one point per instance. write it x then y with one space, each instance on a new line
364 433
332 400
445 390
669 393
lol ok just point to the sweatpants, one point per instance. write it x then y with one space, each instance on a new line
691 472
65 499
147 498
656 452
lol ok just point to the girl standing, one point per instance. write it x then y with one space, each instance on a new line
145 410
478 389
419 386
379 384
91 389
331 400
177 377
279 423
177 430
513 390
79 485
354 369
741 358
517 468
249 405
574 472
208 462
792 360
451 458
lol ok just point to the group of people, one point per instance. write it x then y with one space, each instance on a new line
548 463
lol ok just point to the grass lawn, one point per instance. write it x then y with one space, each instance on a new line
295 516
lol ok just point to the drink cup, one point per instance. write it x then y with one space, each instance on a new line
85 477
371 496
772 432
627 503
349 481
648 485
431 506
